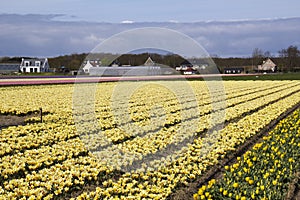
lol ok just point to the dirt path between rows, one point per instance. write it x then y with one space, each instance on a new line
294 188
12 120
7 120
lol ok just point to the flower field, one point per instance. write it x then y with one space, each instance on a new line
265 171
147 146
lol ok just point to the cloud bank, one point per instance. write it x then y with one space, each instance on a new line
42 35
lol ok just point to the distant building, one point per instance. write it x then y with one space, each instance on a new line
149 62
34 65
188 69
147 69
9 68
267 66
233 70
27 66
88 64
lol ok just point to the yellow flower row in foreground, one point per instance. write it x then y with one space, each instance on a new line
263 172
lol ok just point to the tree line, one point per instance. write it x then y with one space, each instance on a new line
287 59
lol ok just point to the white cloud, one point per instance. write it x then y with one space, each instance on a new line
35 35
88 40
173 21
127 22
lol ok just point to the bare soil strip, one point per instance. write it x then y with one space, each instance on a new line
14 120
294 188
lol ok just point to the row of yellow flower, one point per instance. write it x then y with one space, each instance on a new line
204 106
263 172
192 162
33 159
183 167
25 99
107 117
56 180
153 142
16 139
233 111
204 121
141 110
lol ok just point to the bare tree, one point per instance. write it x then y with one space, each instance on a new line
291 57
257 56
267 54
257 53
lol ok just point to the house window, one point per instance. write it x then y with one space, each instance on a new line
35 70
27 63
37 63
31 69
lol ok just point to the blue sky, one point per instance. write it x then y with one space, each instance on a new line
155 10
227 28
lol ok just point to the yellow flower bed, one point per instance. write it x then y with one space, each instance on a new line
263 172
51 159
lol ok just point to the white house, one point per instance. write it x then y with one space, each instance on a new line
88 64
35 65
267 65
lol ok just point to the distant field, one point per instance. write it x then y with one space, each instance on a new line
283 76
48 79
